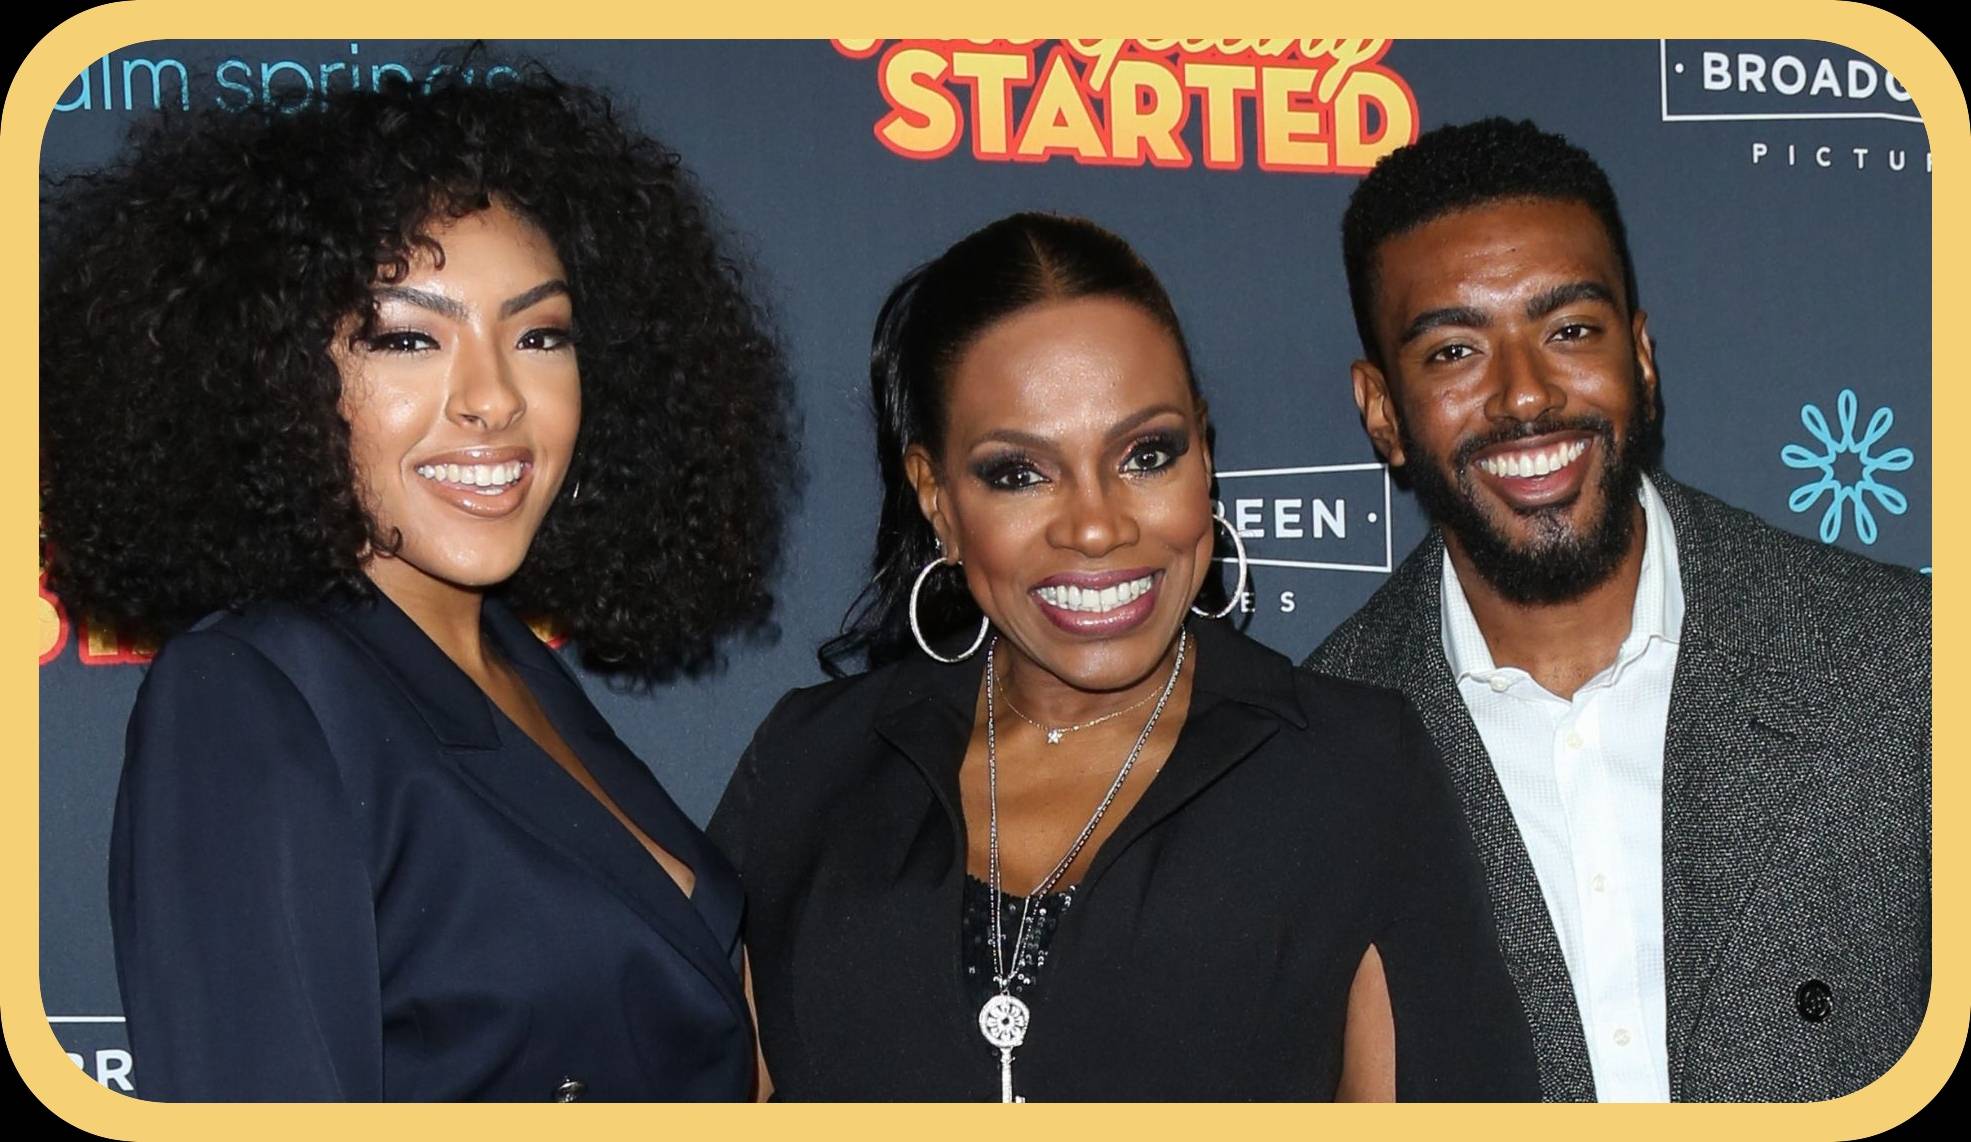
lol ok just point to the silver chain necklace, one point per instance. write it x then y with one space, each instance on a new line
1004 1018
1056 733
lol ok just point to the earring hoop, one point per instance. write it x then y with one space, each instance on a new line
1238 592
918 631
576 495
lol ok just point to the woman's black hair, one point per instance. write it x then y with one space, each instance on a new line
926 325
193 457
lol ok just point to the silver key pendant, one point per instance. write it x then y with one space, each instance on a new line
1003 1021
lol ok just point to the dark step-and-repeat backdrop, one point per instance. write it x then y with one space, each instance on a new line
1777 196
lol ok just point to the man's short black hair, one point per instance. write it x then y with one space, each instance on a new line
1463 165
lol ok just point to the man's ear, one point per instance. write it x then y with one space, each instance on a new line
1645 355
922 472
1378 409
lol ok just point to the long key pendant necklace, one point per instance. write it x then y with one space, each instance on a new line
1004 1018
1003 1022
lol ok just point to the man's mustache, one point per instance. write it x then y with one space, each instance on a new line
1469 448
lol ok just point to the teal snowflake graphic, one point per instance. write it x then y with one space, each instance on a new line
1895 460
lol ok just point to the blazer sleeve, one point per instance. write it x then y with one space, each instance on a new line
240 902
731 825
733 822
1461 1033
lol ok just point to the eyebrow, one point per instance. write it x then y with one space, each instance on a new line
521 303
1540 306
1129 424
1123 427
424 299
1459 315
447 307
1568 294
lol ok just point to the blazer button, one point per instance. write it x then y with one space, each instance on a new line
1814 1001
570 1090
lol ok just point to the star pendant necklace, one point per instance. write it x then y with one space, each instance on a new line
1056 733
1004 1018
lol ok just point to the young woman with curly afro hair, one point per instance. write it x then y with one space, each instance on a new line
335 400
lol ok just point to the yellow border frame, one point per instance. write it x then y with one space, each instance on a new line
67 50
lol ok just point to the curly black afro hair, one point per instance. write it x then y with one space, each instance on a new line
192 454
1455 167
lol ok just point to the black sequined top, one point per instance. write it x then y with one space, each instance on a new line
976 928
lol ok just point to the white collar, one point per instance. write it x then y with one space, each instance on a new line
1658 613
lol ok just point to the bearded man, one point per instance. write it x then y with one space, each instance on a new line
1693 750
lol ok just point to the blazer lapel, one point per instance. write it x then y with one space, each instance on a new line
929 711
1744 731
1219 731
628 781
1416 666
455 709
523 783
927 717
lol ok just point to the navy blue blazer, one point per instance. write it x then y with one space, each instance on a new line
337 871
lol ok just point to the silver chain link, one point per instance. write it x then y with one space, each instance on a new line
1000 975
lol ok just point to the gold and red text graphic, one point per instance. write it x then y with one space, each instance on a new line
101 644
96 644
1317 105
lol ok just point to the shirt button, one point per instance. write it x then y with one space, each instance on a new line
1500 683
1814 1001
1600 882
1573 740
1621 1036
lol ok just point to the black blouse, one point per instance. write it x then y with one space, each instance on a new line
1211 943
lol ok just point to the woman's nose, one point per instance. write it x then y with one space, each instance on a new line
1096 521
484 392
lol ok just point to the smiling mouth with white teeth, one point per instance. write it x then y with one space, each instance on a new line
1095 602
1526 465
483 479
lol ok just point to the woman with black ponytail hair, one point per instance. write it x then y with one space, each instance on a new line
1063 840
927 320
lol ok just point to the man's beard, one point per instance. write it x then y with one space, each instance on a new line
1558 565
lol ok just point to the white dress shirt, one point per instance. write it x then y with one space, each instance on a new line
1584 778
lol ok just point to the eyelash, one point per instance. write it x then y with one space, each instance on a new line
1170 444
1008 473
1000 472
562 337
1454 353
413 341
399 341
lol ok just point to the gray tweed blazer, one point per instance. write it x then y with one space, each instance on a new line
1796 809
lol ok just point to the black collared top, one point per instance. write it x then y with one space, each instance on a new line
1212 942
337 871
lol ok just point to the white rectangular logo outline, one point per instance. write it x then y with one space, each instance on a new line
1663 89
1388 540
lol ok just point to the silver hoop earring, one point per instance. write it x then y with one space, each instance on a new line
918 631
1238 592
577 493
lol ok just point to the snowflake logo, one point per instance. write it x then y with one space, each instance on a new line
1807 495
